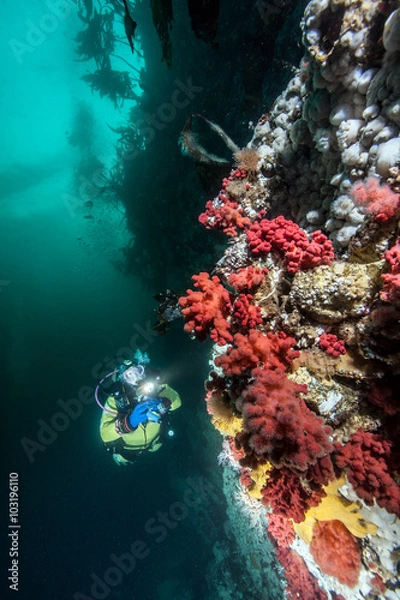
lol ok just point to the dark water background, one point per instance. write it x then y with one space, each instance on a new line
71 296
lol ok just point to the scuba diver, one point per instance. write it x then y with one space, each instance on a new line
135 413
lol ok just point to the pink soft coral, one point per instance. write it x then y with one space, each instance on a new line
272 349
366 458
206 310
222 213
300 583
331 344
383 396
245 312
289 240
287 496
280 427
280 529
391 280
378 200
247 278
321 473
245 478
336 551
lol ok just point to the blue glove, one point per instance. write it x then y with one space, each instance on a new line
139 415
151 402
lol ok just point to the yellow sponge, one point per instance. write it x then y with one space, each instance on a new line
335 506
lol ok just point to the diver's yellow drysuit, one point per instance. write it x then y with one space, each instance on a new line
147 436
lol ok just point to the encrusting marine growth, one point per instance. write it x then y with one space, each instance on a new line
304 310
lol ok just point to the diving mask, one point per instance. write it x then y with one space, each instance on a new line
132 375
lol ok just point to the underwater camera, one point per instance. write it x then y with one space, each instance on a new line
154 414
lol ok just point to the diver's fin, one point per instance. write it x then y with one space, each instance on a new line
120 460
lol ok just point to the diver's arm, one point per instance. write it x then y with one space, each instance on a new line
171 395
128 423
113 426
107 423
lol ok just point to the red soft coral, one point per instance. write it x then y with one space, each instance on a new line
280 426
377 584
237 452
235 174
245 312
272 350
288 239
391 280
378 200
331 344
206 310
222 213
300 583
391 288
245 478
366 457
280 529
247 278
393 258
287 496
321 473
382 396
336 551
